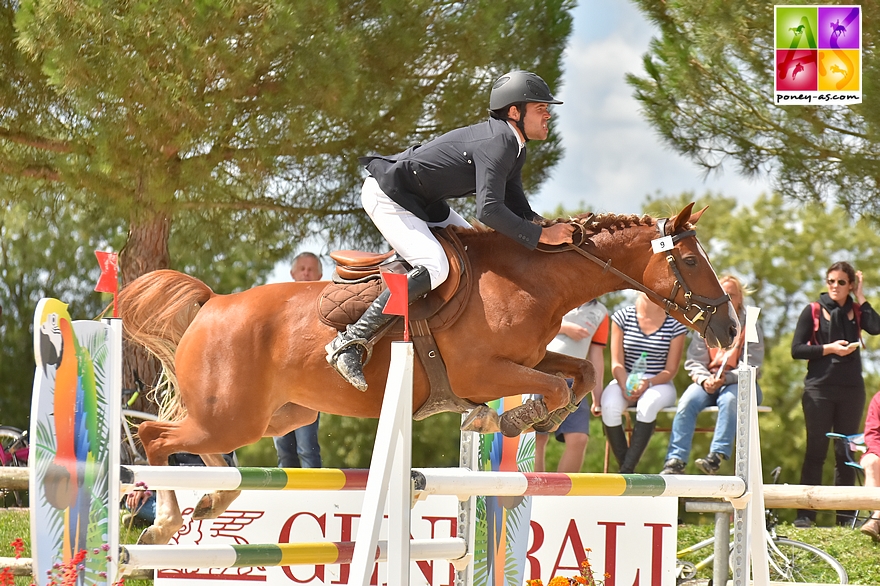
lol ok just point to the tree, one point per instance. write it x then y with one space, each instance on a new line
247 117
707 87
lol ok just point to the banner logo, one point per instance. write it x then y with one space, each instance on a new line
818 55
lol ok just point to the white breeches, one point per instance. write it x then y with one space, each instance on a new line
406 233
648 406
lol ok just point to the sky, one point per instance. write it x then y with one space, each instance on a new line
613 158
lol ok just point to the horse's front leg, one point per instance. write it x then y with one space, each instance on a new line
583 376
511 379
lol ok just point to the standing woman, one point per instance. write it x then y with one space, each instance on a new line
827 336
644 327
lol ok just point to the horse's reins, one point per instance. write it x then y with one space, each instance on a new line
708 307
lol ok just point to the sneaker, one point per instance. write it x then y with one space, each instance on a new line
673 466
711 463
871 528
803 523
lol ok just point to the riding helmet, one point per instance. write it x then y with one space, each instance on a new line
517 87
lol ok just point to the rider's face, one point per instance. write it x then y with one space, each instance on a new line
537 120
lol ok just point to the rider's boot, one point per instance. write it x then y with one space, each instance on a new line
641 435
349 351
617 440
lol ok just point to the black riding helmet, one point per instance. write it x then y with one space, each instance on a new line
516 89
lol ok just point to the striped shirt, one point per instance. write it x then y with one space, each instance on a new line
635 341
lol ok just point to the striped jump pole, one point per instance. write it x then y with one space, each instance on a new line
461 482
157 557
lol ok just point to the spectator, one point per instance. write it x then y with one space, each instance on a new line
871 462
583 334
716 382
827 336
300 448
644 327
141 504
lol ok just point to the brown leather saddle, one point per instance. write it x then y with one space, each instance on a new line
356 284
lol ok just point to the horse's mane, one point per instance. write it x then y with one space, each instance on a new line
593 223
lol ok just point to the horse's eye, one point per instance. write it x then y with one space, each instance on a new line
690 260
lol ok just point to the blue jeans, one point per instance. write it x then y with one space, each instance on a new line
299 448
694 400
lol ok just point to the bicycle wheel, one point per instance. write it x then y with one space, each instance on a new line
132 451
10 440
793 561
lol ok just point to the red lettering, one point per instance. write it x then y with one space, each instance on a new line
537 541
427 567
656 551
611 551
345 533
574 537
284 537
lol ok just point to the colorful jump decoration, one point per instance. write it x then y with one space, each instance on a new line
818 55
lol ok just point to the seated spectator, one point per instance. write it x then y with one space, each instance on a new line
647 328
871 462
716 382
141 504
583 334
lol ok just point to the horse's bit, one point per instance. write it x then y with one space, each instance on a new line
699 305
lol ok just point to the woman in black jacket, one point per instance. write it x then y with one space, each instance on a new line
827 336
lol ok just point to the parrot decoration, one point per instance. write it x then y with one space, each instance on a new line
502 456
71 475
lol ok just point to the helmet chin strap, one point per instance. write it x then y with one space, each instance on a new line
521 123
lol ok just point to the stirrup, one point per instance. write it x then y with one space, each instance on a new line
366 350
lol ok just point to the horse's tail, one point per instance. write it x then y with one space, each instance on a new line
156 310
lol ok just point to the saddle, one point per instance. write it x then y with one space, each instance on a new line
357 282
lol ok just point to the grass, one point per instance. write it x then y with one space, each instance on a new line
858 554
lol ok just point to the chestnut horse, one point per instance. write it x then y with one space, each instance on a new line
252 364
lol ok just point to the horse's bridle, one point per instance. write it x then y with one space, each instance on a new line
696 307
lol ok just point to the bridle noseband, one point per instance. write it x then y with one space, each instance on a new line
696 308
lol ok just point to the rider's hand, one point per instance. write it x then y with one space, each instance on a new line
556 234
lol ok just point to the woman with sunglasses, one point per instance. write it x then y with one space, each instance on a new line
827 336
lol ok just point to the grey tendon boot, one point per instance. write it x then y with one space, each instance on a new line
642 433
617 440
351 349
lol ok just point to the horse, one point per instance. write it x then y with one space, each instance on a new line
252 364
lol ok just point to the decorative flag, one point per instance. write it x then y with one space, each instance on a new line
398 303
108 282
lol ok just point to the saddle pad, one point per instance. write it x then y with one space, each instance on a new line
342 304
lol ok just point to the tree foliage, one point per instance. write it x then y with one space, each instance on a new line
707 87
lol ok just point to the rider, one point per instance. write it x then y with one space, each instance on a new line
405 196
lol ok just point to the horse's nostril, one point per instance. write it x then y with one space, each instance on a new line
732 331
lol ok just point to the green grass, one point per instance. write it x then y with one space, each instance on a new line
858 554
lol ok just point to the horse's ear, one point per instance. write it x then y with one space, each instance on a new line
695 217
683 217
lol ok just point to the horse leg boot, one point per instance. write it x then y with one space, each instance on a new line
350 351
642 433
617 440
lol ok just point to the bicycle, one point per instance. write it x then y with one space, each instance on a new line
14 451
789 560
131 452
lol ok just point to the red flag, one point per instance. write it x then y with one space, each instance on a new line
108 282
398 303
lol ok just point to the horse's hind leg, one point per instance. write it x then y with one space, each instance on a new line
214 504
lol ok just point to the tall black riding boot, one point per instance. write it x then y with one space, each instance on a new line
350 350
642 433
617 440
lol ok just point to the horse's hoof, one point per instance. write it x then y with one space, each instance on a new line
519 419
204 509
545 426
151 536
481 419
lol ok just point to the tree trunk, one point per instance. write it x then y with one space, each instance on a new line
145 251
